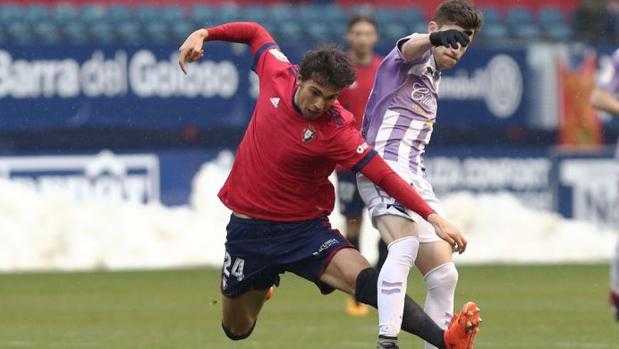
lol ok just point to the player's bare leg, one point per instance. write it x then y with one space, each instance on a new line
435 263
342 271
353 233
400 235
240 313
353 230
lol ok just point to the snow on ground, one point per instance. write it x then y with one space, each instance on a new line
52 231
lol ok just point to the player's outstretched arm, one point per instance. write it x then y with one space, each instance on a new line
605 101
250 33
191 50
418 44
377 171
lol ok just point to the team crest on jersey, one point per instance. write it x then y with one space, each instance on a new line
308 134
279 55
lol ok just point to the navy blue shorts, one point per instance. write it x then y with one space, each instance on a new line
351 204
257 251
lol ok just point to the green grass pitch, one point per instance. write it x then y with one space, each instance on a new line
528 307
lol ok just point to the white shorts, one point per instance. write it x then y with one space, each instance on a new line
379 203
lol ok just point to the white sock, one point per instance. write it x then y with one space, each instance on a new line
441 282
614 270
392 284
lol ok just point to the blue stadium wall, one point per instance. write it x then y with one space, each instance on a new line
75 101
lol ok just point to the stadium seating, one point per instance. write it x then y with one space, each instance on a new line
10 13
495 30
75 32
554 25
157 32
34 13
148 23
47 32
64 13
202 14
91 14
179 31
119 13
128 32
228 13
521 24
101 33
19 33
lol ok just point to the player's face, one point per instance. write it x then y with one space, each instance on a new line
447 57
315 99
362 38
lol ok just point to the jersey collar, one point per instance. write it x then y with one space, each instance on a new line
294 104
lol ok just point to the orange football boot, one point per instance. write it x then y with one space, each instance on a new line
463 327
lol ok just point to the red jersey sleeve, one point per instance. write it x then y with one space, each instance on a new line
268 59
348 148
264 48
377 171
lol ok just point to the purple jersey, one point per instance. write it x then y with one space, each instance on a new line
400 114
608 80
609 75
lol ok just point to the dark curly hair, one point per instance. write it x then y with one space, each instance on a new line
329 66
459 12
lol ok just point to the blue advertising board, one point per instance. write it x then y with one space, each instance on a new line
583 186
140 177
524 172
75 86
579 185
587 186
487 88
58 87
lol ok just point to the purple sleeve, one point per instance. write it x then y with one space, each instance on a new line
609 75
398 50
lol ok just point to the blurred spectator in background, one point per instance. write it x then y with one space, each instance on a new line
597 21
361 37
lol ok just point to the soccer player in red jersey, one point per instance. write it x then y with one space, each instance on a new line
280 195
361 37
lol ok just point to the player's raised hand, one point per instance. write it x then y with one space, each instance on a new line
448 232
191 50
451 38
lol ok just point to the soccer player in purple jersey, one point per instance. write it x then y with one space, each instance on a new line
605 97
399 120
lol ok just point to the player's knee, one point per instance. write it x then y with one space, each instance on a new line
365 287
442 277
402 250
236 332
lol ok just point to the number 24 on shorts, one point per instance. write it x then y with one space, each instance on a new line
237 267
